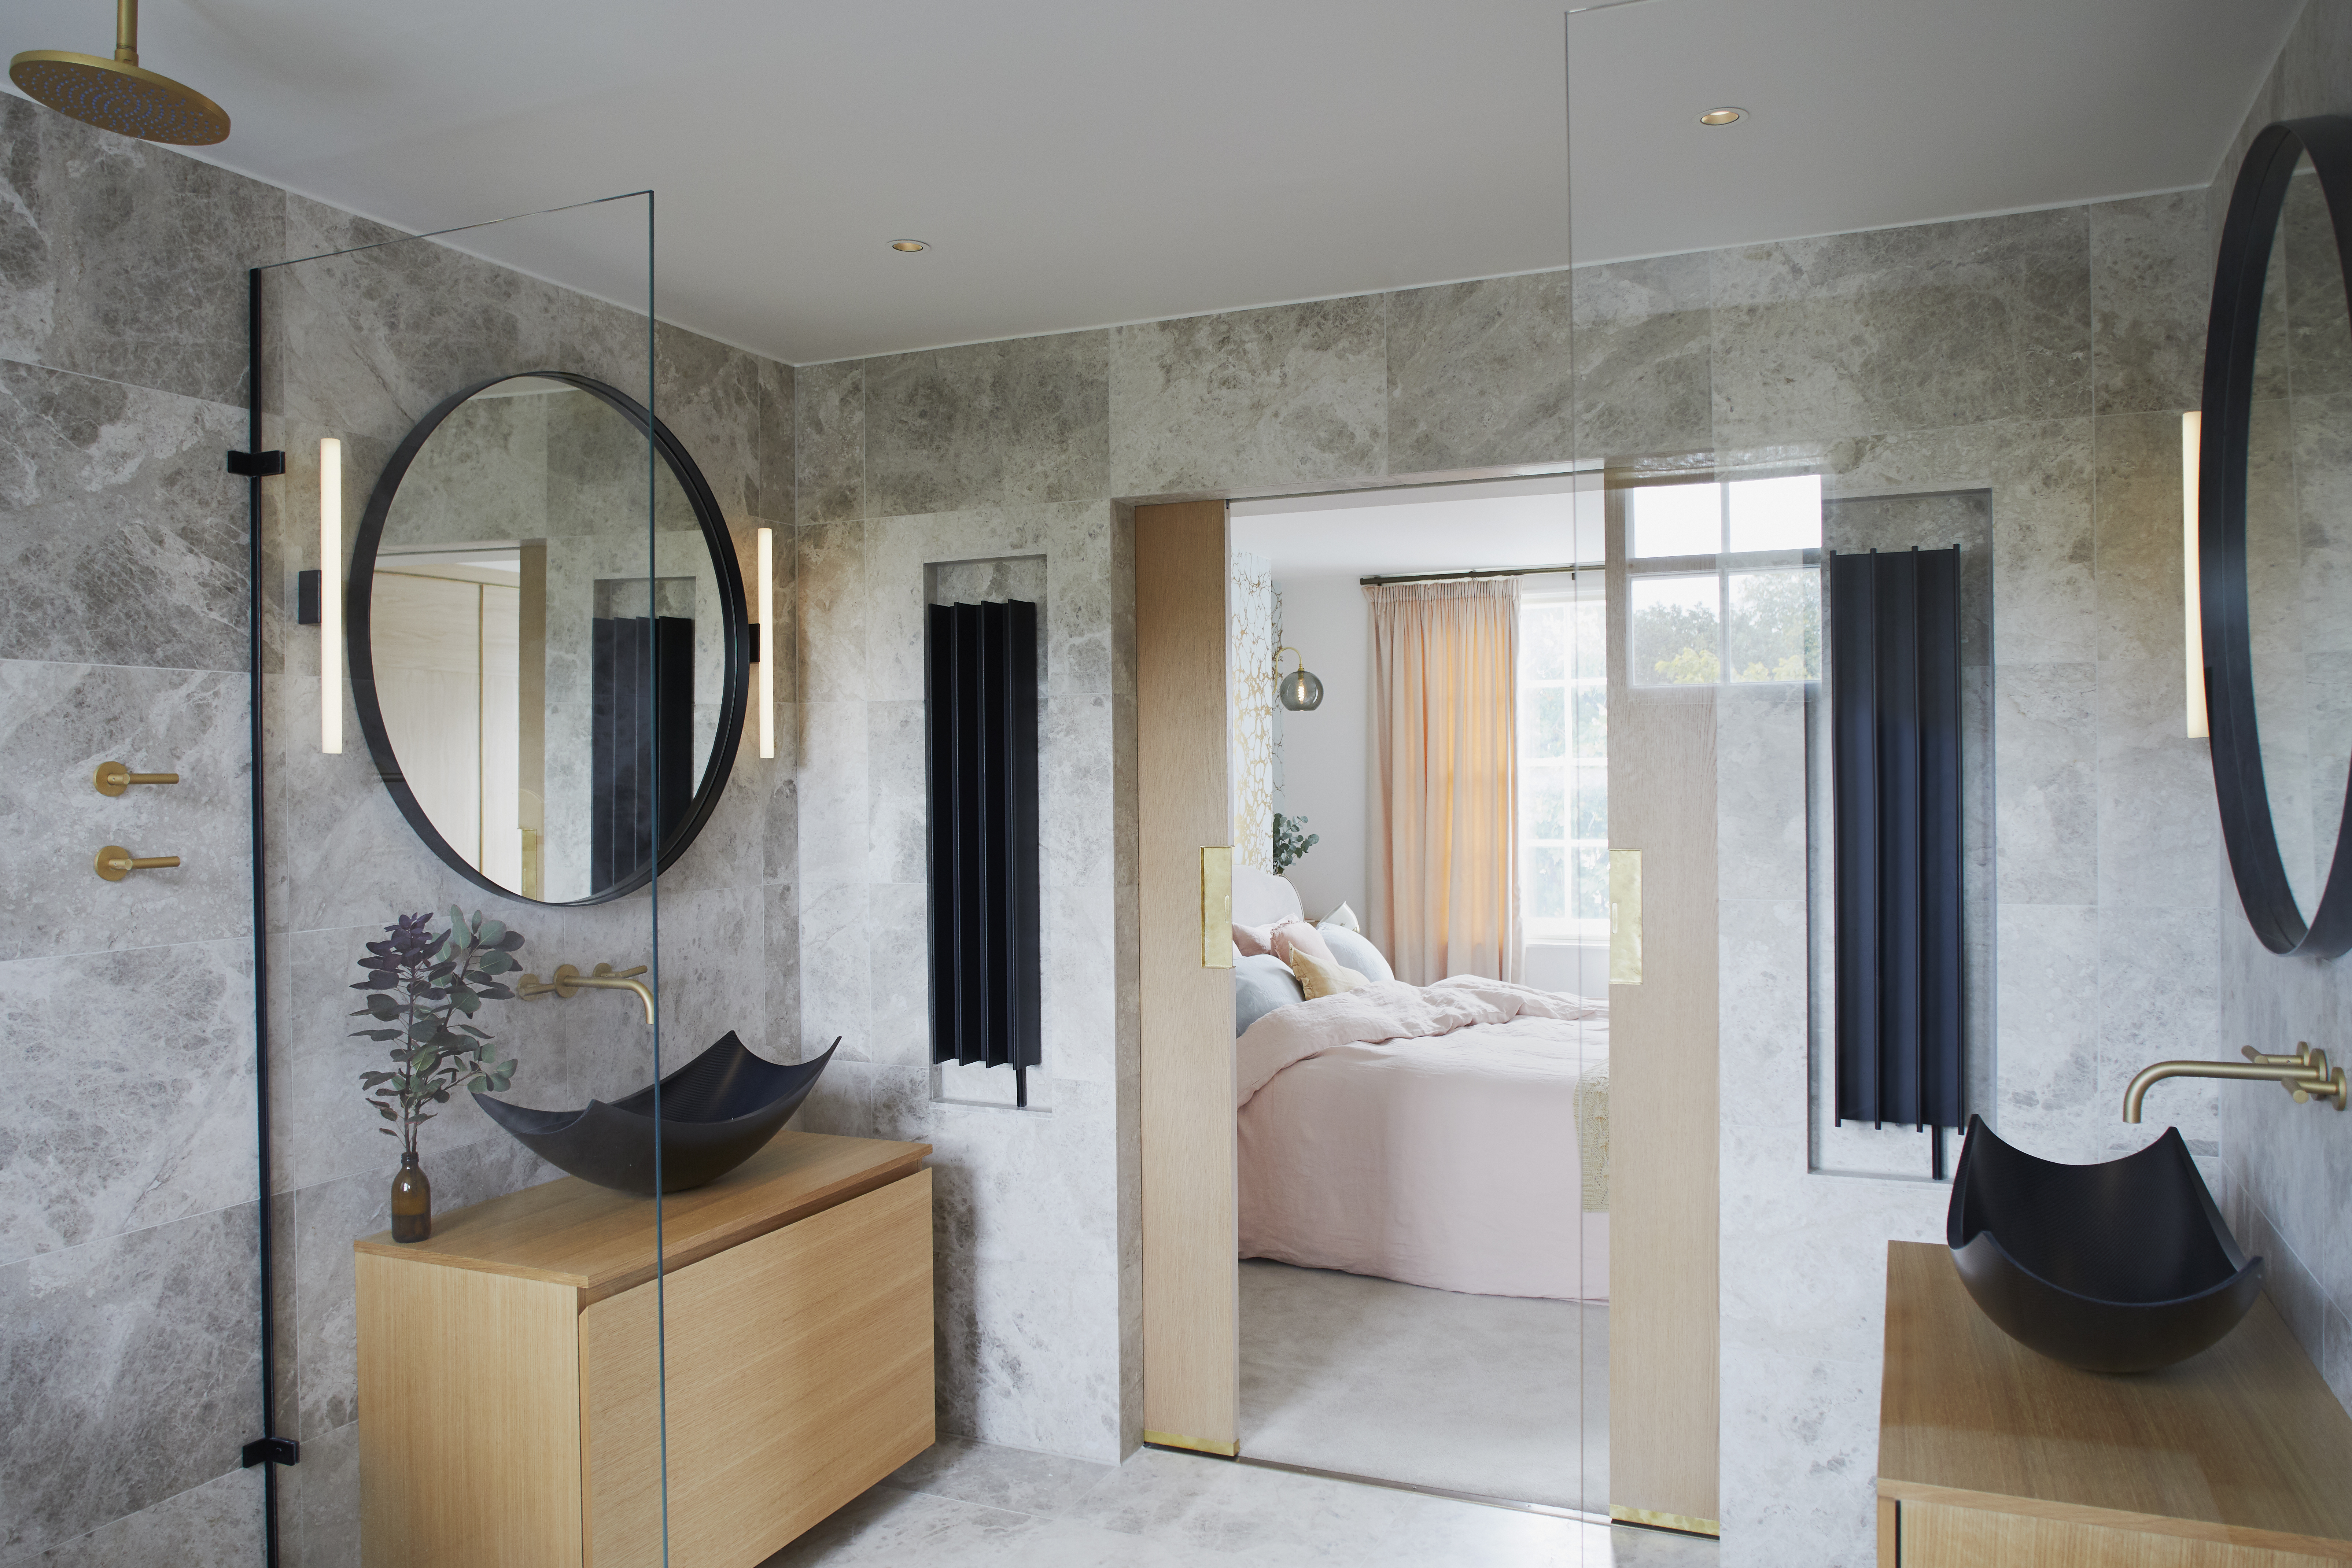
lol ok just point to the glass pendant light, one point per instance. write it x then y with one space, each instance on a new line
1300 691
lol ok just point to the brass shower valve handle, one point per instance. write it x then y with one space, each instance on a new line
114 862
113 778
2304 1075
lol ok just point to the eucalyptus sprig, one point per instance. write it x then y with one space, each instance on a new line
426 989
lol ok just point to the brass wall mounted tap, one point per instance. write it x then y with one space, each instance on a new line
568 982
2305 1075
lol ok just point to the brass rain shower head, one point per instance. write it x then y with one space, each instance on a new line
116 94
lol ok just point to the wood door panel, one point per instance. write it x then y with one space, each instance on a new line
1192 1281
1934 1535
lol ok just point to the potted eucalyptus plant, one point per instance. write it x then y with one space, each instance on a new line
423 990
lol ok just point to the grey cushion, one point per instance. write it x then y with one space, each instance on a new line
1261 983
1353 949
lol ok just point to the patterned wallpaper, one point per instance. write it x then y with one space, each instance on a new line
1249 700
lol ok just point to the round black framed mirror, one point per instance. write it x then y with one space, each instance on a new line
548 639
2274 535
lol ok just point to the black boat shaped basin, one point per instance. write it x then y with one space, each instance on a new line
2121 1266
716 1111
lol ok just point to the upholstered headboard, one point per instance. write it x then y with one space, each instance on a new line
1261 900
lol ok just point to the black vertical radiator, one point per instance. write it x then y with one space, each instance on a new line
629 655
981 703
1894 716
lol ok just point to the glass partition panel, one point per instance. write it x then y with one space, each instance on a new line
504 647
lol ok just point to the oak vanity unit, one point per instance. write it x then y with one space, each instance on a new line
508 1376
1992 1456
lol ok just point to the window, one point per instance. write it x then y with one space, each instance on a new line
1564 764
1725 582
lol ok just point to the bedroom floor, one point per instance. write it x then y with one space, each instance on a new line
1499 1396
972 1505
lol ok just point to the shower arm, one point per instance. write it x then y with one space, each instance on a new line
569 981
2305 1075
126 31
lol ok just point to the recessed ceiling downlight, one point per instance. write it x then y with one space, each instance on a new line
908 246
1723 116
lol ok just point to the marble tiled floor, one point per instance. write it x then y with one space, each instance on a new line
1499 1396
972 1505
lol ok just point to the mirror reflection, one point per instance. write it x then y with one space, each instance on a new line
542 677
2299 537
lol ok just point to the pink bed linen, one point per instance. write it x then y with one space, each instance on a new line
1427 1135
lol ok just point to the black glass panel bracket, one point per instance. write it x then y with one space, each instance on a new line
981 709
2240 789
1894 715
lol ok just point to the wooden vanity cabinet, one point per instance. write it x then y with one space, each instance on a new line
1992 1456
511 1369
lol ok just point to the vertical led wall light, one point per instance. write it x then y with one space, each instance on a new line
330 596
767 686
2192 612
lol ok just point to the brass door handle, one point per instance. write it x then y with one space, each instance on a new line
1217 906
113 778
114 862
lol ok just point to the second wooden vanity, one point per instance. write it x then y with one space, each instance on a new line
1990 1455
512 1368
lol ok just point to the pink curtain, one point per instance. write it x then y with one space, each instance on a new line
1444 808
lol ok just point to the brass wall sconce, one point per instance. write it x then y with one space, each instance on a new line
113 778
568 982
114 862
1300 691
2305 1075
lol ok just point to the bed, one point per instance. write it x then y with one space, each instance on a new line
1453 1135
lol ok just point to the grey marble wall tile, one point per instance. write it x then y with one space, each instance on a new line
58 724
216 1524
1643 348
1075 809
1905 328
1293 395
710 395
132 1092
126 260
1080 1006
829 405
835 979
2151 283
2047 741
710 941
988 425
321 1501
122 535
2050 1103
731 851
899 1013
1761 948
2158 991
132 1365
779 444
1479 374
781 812
831 589
781 931
2159 831
1799 1448
1759 815
897 782
2312 68
2137 517
1084 570
834 816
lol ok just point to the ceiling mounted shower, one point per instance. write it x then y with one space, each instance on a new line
116 94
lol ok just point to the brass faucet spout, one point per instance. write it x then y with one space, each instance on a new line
2305 1075
569 981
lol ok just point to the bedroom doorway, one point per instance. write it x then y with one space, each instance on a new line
1421 1226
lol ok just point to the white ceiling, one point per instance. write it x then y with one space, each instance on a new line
1502 525
1076 163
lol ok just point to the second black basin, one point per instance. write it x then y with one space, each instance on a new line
2120 1267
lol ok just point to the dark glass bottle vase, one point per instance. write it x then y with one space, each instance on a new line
411 1202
